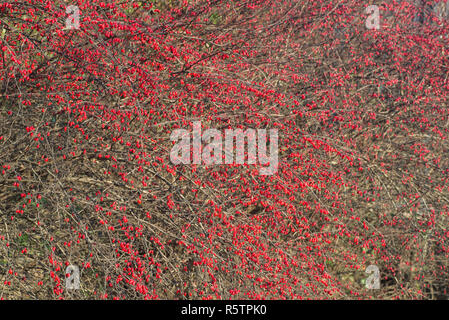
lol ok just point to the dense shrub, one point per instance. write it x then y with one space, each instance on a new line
86 178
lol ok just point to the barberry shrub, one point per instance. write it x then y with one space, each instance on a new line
87 108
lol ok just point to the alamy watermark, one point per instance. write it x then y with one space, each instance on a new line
373 281
373 20
72 280
424 12
73 20
212 151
